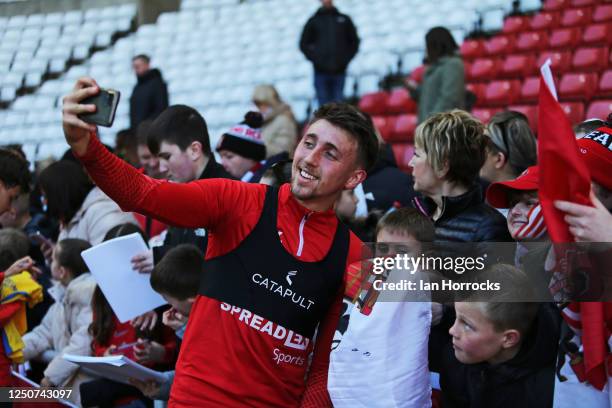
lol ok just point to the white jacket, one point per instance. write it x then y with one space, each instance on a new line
97 215
64 329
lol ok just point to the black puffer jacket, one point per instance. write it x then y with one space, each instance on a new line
149 98
525 381
329 41
466 218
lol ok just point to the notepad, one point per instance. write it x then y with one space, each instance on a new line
117 368
128 291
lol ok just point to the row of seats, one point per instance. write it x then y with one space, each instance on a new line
550 20
553 5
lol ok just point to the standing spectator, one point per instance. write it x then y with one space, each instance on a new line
14 178
279 130
443 86
330 42
150 95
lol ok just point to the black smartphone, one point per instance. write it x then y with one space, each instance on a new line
106 105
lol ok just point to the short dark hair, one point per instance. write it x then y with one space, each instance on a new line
356 124
409 221
180 125
121 230
14 171
14 245
144 57
65 185
69 255
440 43
179 271
142 132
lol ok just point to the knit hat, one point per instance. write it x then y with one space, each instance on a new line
596 150
245 139
497 193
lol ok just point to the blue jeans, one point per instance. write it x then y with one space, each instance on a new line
329 87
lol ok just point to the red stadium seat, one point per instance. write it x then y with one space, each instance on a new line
590 59
518 66
471 49
502 93
484 114
530 90
478 90
578 86
599 109
576 17
597 34
583 3
374 103
602 13
515 24
564 38
384 124
417 74
500 45
531 111
403 129
400 102
561 61
403 153
552 5
605 84
574 111
484 68
545 21
532 41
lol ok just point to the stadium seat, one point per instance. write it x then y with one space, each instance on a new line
532 41
403 128
561 61
384 124
576 17
605 84
530 90
471 49
374 103
574 111
553 5
400 102
599 109
478 90
484 114
515 24
500 45
403 153
502 93
578 86
602 13
592 58
518 66
564 38
484 69
583 3
597 34
531 111
545 21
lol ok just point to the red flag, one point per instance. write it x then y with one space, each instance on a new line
563 174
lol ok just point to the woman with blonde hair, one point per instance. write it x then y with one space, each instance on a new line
279 130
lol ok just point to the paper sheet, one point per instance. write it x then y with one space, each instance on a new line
128 291
116 368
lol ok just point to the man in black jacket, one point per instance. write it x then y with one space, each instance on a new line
330 42
179 138
150 95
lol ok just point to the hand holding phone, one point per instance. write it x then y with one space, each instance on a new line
106 102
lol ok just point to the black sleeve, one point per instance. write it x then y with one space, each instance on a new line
160 100
439 338
307 39
353 39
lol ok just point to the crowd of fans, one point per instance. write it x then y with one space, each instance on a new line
259 256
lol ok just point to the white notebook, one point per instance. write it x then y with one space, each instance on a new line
117 368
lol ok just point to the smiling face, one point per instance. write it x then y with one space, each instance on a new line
325 162
521 202
235 164
475 340
425 179
178 165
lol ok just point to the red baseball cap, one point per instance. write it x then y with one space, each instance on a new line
497 193
596 150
